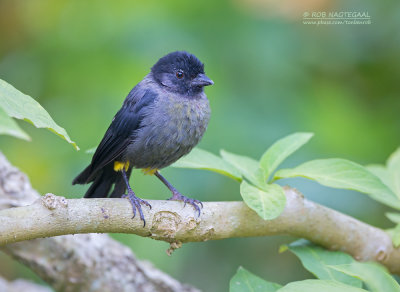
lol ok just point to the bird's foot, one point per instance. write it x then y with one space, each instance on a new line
176 196
136 204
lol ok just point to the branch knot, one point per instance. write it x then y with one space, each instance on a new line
52 202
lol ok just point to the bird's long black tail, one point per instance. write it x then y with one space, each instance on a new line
102 182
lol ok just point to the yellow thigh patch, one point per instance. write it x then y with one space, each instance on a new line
149 171
119 165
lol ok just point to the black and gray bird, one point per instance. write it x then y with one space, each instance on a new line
162 119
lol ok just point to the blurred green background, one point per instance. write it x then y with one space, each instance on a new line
273 76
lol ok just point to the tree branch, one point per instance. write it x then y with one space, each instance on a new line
21 285
169 221
84 262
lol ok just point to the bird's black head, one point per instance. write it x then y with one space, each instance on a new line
181 72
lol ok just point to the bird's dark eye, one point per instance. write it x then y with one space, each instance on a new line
179 74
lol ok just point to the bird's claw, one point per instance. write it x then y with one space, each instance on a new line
136 204
195 203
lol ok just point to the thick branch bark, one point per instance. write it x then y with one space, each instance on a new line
84 262
21 285
170 222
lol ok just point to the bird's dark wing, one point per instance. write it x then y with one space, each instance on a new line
120 132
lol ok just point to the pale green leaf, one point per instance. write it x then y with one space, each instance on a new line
395 235
394 232
282 149
394 217
389 175
319 286
393 165
244 281
268 202
248 167
343 174
201 159
373 275
9 127
382 173
21 106
317 261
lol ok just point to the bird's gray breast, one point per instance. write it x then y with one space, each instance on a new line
171 127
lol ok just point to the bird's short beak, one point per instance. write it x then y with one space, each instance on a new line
202 80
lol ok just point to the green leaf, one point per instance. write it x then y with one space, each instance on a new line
319 286
282 149
373 275
395 235
394 217
318 260
343 174
389 175
393 165
268 203
201 159
382 173
21 106
9 127
394 232
244 281
247 167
